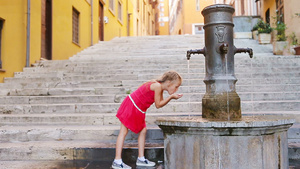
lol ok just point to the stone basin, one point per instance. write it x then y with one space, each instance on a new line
250 142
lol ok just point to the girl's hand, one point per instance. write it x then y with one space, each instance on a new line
176 96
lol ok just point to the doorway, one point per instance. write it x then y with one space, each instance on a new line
46 44
268 16
101 23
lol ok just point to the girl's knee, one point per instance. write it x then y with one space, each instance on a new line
123 130
144 131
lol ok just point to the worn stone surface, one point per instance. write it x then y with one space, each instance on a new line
255 142
223 106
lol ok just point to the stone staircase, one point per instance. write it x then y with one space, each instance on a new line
65 110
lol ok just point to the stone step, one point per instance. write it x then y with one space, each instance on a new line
294 151
67 109
157 71
98 156
90 108
75 150
99 119
294 131
193 73
107 67
134 83
12 90
268 63
58 119
175 107
97 161
112 65
67 91
187 79
118 98
61 99
82 150
100 133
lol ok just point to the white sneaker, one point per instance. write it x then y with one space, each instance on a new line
145 163
120 166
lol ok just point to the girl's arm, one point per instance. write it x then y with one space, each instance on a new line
158 97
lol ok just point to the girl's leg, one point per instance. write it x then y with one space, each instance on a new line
120 141
142 161
141 141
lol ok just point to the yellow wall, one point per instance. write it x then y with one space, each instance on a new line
116 27
179 26
176 17
268 4
13 36
189 15
292 21
14 33
62 28
35 31
131 22
291 18
164 20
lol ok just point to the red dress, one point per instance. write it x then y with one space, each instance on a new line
132 111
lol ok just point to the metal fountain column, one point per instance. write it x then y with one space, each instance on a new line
220 100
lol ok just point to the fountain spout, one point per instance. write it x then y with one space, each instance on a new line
194 51
224 48
245 50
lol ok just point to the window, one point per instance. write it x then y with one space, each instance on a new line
75 26
111 5
280 11
1 26
198 29
120 11
197 5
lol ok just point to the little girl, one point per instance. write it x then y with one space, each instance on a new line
133 110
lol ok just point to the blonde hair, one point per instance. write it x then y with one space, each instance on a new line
169 75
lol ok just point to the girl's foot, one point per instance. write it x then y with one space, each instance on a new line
145 163
120 166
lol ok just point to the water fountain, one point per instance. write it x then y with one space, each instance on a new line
222 138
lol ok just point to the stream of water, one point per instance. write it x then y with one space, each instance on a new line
189 104
252 88
227 94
